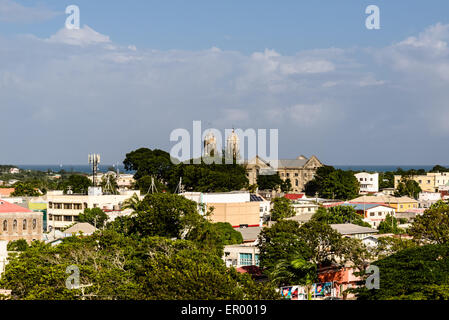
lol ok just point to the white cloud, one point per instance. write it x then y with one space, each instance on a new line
11 11
80 37
320 100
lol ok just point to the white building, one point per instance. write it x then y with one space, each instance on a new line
369 182
63 209
426 199
305 206
241 255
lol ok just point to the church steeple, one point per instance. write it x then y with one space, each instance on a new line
233 145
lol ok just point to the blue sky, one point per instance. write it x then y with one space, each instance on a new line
139 69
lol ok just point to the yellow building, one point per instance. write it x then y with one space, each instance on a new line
400 204
428 183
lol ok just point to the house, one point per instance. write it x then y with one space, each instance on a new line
250 234
353 231
233 207
373 213
81 228
369 182
14 170
303 207
241 255
264 207
301 218
400 204
426 199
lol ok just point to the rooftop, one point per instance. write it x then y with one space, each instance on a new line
250 233
6 207
349 228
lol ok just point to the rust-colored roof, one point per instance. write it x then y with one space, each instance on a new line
6 207
294 196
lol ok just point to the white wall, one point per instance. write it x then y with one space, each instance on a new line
368 182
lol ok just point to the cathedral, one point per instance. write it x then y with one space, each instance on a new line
299 171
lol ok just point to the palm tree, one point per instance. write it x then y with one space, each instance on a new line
296 271
133 203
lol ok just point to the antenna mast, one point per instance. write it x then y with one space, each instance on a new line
94 160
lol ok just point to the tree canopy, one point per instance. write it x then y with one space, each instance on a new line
113 266
94 216
433 225
418 273
339 215
282 208
333 184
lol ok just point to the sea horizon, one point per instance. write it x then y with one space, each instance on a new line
84 168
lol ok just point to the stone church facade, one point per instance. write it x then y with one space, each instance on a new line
300 170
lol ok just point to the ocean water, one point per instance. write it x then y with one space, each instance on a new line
104 168
70 168
384 168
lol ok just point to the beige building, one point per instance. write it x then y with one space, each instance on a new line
17 223
236 208
300 170
430 182
63 209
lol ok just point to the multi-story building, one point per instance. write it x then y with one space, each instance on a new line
299 171
241 255
63 209
236 207
369 182
426 199
431 182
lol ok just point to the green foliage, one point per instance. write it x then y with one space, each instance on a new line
161 214
390 225
339 215
147 162
214 236
79 184
282 208
199 177
269 182
17 245
433 225
289 253
386 246
386 180
333 184
114 266
408 187
23 189
94 216
439 168
210 177
416 273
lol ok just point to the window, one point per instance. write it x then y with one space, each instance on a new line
5 225
35 223
77 206
68 218
246 259
14 225
256 258
67 206
296 174
296 182
372 214
24 224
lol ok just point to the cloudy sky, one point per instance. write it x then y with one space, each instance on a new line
137 70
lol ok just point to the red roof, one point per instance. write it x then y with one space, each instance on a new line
252 270
294 196
6 207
